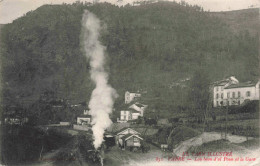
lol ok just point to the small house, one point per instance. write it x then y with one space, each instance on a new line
133 111
134 114
86 112
84 120
130 140
164 147
139 107
124 132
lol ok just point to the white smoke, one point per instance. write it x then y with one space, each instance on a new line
102 97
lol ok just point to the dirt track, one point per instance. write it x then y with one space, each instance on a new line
204 138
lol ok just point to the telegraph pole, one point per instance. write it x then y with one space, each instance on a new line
226 122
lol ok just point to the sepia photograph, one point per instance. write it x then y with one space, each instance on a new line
129 82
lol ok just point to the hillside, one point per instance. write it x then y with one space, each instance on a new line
149 47
241 20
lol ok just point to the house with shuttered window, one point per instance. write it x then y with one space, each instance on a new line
231 92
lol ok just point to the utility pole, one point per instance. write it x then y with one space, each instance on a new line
226 122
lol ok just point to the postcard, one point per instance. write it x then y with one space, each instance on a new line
129 83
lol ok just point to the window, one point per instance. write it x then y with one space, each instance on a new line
217 95
233 95
124 117
221 103
238 102
222 95
228 95
227 102
238 94
248 93
217 103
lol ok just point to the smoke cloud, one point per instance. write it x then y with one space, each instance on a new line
102 97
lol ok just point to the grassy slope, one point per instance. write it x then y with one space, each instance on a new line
148 47
241 20
216 146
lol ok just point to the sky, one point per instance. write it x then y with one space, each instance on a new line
12 9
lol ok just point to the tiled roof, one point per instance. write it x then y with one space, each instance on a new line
225 81
221 83
130 135
139 105
241 85
126 136
122 129
125 129
132 110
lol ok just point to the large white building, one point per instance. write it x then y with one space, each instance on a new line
230 92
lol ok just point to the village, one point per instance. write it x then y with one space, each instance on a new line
135 131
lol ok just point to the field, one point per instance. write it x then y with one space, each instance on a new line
118 157
246 124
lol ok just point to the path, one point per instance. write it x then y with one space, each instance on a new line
204 138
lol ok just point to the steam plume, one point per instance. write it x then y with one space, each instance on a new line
102 97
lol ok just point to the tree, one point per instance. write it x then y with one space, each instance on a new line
199 94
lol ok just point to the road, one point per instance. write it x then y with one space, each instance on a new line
205 138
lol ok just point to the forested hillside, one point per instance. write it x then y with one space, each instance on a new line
149 47
241 20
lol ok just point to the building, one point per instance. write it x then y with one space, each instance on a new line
125 115
132 109
239 93
130 140
133 112
139 107
128 137
86 112
230 92
129 114
218 89
126 131
84 120
129 97
16 120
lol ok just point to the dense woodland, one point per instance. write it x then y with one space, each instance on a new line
149 48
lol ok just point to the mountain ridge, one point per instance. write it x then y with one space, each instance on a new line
148 47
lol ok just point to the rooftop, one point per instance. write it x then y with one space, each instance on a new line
139 105
125 128
225 81
222 83
132 110
241 85
125 137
